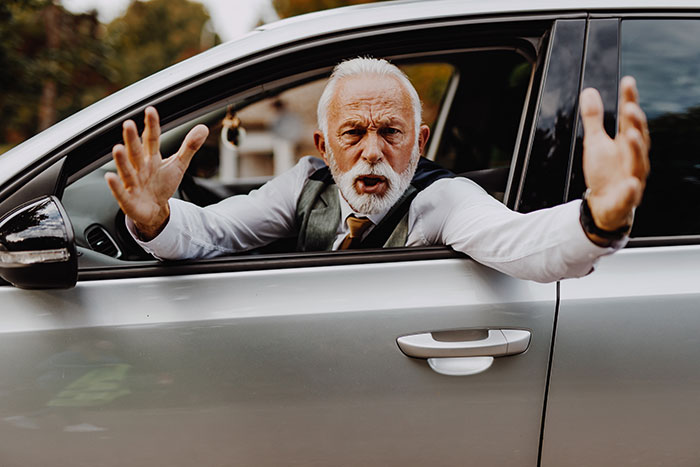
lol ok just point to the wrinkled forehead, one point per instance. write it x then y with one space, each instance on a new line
380 96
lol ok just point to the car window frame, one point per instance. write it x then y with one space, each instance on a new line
606 80
552 136
477 28
247 261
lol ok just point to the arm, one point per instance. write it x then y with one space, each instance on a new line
549 244
236 224
544 246
173 229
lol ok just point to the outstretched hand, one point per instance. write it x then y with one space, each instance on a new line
146 181
615 170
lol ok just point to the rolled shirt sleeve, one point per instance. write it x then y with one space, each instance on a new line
544 246
236 224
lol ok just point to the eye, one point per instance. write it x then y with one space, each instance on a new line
389 131
352 135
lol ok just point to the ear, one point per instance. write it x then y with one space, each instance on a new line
423 135
320 143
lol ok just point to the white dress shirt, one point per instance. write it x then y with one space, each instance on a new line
544 245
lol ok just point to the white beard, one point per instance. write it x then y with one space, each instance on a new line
370 203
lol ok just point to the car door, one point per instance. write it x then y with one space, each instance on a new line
366 357
625 374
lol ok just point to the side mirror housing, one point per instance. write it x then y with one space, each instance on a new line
37 246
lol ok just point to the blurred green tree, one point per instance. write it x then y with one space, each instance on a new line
51 64
155 34
287 8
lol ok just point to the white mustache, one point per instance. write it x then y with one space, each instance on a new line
369 203
380 169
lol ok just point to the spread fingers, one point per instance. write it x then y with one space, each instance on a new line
193 141
123 197
134 149
118 190
591 112
631 114
628 90
151 132
639 163
633 117
124 168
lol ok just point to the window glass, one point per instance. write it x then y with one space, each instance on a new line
664 57
481 129
485 115
431 81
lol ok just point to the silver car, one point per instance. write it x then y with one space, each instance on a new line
405 356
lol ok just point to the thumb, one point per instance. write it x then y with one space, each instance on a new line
193 141
591 112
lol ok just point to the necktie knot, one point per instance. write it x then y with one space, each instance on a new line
357 226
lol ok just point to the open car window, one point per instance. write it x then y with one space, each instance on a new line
473 101
474 119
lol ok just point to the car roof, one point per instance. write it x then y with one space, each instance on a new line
406 10
300 28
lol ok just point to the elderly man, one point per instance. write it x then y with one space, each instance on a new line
370 138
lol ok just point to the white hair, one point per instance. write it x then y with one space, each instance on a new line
364 66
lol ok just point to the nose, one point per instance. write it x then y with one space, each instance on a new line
372 151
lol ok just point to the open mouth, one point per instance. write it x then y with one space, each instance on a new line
370 183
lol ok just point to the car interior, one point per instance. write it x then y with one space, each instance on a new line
473 101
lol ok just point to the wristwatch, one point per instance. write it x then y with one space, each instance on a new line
613 238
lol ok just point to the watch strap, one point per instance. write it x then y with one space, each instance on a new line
589 225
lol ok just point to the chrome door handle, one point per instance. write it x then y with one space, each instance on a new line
465 343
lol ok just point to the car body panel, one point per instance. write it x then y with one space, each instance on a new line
625 372
269 360
625 378
270 367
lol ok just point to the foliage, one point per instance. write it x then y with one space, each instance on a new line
19 77
153 35
51 65
287 8
53 62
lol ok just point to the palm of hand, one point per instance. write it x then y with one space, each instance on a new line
156 181
146 181
615 170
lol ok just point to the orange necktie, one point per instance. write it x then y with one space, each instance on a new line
357 226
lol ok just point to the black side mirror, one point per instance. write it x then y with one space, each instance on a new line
37 246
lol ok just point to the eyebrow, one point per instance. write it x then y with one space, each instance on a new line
361 122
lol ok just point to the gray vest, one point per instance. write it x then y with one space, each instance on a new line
318 211
318 216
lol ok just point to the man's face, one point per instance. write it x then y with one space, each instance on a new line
371 145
